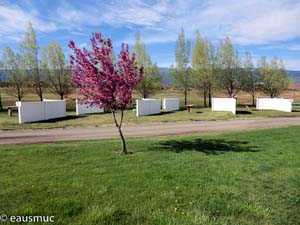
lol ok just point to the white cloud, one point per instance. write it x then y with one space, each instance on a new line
289 47
246 22
274 21
134 12
114 13
13 21
69 17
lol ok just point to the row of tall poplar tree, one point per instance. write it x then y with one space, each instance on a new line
34 68
208 67
202 66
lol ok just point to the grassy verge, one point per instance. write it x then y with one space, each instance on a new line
198 114
236 178
11 123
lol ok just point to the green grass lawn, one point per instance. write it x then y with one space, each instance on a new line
235 178
92 120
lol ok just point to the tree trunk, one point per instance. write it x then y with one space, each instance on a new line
41 95
61 96
145 95
39 91
209 98
123 141
1 106
119 126
185 97
19 94
204 99
253 100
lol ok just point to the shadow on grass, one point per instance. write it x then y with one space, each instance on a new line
211 146
242 112
162 113
182 109
68 117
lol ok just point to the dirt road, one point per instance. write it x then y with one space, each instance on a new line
147 130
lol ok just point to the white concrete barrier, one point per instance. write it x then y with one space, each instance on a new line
148 107
87 109
39 111
224 104
280 104
170 104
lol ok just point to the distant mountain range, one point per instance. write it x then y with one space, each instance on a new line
295 75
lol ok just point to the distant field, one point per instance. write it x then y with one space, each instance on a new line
193 97
243 178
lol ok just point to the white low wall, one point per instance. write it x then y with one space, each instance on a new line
224 104
148 107
170 104
39 111
280 104
54 109
87 109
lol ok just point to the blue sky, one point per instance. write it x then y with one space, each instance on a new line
264 28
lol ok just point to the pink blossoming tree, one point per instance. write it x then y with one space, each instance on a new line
102 81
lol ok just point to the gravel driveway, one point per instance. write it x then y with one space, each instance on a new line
147 130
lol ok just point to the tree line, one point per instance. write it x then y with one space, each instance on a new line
207 67
200 65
